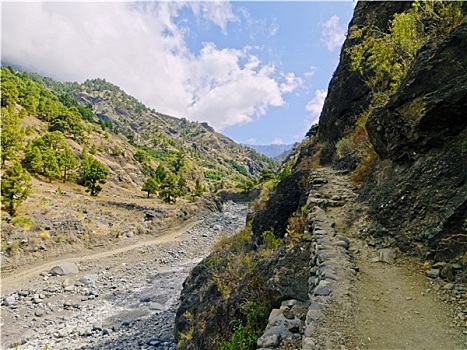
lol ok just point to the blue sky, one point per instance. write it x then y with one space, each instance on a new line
256 71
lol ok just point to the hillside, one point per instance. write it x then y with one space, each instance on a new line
374 208
62 142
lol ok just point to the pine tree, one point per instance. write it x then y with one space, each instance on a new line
160 173
67 162
34 159
12 134
179 162
16 187
168 188
150 186
93 174
51 168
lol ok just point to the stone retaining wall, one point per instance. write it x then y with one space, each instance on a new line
331 274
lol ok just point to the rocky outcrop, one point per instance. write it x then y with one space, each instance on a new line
418 193
288 197
205 317
347 95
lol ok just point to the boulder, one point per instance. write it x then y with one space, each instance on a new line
64 268
387 255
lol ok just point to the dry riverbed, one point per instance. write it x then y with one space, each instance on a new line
119 299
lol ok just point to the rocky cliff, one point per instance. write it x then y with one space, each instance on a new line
416 191
412 196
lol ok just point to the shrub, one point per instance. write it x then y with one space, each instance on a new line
24 222
13 248
270 240
246 334
363 169
44 235
343 147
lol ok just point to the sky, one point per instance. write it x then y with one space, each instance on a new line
257 71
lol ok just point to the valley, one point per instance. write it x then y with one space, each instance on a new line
122 298
126 228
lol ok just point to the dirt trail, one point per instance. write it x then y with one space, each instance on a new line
18 277
395 306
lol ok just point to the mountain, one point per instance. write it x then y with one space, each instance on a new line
62 142
386 167
272 150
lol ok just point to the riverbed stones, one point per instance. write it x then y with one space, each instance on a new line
10 300
139 289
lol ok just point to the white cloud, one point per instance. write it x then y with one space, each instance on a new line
217 11
290 83
251 141
315 105
139 47
277 141
333 34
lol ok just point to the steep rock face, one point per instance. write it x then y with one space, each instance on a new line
348 95
418 194
289 196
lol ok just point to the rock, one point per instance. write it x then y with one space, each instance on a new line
322 289
11 300
217 228
449 286
153 342
39 313
387 255
129 234
156 306
267 341
66 283
88 279
432 273
64 268
342 244
447 272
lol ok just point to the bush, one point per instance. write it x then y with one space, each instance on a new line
246 334
13 248
24 222
363 169
270 240
343 147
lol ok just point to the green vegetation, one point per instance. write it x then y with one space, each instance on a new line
238 167
343 147
22 221
16 187
92 174
150 186
12 133
245 334
384 58
50 156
